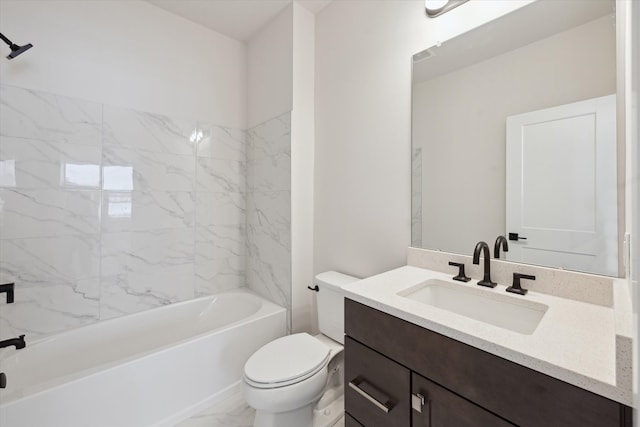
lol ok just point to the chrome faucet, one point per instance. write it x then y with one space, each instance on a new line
482 246
17 342
500 241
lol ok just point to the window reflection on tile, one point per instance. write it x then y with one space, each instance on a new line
7 173
81 175
117 178
119 205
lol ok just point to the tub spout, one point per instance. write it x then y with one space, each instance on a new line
17 342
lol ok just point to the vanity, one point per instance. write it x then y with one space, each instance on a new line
414 360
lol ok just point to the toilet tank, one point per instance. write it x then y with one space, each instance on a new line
331 303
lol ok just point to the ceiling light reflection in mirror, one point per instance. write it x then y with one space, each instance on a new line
438 7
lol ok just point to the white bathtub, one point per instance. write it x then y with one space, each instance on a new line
153 368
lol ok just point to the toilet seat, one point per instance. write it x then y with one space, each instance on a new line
286 361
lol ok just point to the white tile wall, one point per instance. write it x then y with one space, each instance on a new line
106 211
268 266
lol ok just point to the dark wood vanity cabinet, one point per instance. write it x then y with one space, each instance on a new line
390 362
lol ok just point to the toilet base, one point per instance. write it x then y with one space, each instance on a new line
330 414
309 416
301 417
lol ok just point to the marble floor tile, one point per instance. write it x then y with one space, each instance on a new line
340 423
232 412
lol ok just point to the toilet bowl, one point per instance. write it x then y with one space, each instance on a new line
284 380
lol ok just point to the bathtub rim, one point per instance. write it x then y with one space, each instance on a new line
267 309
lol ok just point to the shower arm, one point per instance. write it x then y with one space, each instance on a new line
6 40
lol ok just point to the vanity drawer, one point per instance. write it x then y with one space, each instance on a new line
521 395
376 388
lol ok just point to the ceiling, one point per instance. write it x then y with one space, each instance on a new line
238 19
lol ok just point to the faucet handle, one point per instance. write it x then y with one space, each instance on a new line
8 288
516 288
461 277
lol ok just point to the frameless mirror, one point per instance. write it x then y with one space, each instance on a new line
514 133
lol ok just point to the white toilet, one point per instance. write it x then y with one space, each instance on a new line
298 378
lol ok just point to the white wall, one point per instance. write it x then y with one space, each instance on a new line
302 167
363 125
129 54
270 69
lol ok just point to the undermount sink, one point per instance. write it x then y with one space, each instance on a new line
485 306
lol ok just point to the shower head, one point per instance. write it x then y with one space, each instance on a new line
15 49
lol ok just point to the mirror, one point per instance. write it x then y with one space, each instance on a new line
514 131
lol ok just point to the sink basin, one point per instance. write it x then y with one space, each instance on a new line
485 306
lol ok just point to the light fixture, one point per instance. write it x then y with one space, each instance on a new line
438 7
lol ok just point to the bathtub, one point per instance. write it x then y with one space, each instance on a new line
153 368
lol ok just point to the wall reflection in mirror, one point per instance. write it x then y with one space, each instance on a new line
515 131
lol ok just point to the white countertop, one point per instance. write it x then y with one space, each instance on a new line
575 342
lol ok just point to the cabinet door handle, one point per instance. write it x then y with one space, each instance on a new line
355 384
417 402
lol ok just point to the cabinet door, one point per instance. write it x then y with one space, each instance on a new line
376 388
443 408
349 421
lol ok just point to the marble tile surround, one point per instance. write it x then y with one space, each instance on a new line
268 244
106 211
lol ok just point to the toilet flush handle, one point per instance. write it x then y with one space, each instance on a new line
315 288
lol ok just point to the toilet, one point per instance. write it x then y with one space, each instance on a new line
297 380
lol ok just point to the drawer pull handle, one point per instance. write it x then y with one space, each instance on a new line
386 406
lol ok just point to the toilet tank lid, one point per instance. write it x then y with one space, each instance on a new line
333 279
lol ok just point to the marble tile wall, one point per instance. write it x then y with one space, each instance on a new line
268 266
107 211
50 198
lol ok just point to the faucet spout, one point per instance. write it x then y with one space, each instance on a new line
500 241
17 342
486 281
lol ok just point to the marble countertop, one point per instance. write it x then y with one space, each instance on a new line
576 342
